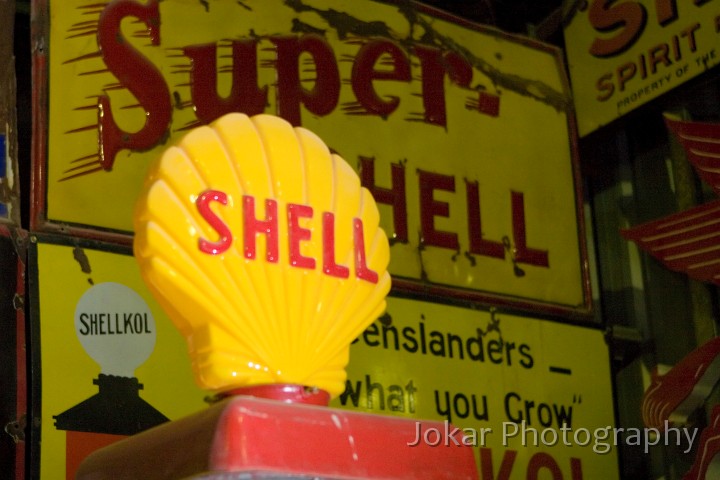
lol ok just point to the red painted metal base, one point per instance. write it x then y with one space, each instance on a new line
288 393
254 437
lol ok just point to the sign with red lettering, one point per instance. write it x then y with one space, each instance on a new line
623 55
463 134
533 398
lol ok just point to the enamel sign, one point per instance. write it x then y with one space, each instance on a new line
463 134
512 385
623 54
112 364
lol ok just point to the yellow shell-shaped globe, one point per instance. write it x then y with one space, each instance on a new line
265 252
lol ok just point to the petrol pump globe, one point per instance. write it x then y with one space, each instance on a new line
266 253
264 250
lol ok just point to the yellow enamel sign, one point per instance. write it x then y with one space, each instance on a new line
623 54
461 133
533 397
111 362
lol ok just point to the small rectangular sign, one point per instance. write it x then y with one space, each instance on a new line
464 134
622 55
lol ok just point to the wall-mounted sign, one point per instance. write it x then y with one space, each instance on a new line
462 133
623 54
111 363
533 397
102 339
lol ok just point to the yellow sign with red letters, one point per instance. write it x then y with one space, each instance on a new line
623 54
462 134
513 385
112 364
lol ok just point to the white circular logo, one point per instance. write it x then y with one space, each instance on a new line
115 327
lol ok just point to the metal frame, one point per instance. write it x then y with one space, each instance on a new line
15 353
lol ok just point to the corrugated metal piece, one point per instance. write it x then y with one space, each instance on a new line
702 145
687 242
